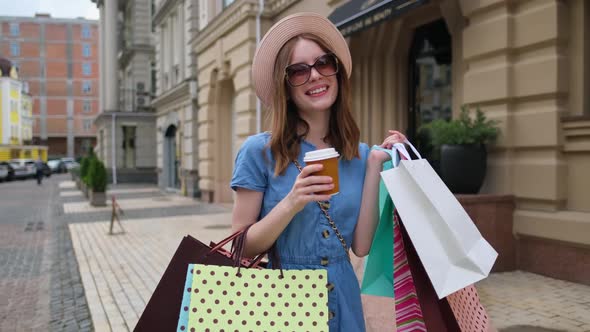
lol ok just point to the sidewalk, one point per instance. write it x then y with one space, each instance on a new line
120 272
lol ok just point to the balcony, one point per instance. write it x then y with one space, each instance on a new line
133 100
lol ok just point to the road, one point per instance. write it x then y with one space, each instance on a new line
39 279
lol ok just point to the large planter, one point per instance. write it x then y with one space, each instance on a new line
463 167
98 198
84 188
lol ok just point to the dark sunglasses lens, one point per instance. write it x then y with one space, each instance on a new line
327 65
298 74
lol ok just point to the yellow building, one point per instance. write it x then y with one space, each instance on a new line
16 118
10 108
525 63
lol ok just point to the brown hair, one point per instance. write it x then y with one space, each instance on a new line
343 132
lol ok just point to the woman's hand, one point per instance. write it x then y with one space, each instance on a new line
393 138
305 187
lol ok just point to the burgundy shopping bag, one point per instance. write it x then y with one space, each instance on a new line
161 312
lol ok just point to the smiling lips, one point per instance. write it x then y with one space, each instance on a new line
317 91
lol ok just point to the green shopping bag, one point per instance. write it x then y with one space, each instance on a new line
378 276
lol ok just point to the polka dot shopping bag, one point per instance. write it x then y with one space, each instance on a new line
229 298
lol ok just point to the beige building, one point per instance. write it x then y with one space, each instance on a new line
525 63
175 21
126 122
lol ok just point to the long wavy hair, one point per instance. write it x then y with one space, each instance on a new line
285 142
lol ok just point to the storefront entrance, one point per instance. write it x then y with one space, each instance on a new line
429 81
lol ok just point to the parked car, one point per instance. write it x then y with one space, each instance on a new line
70 163
3 172
57 166
23 168
9 171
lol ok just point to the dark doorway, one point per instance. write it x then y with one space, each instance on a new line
171 160
430 82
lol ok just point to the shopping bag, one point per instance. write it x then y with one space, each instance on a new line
470 313
229 298
162 311
449 245
378 275
186 300
408 313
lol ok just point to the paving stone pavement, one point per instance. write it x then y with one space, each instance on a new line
120 273
38 281
61 271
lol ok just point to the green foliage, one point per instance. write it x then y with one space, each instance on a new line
97 176
462 131
84 163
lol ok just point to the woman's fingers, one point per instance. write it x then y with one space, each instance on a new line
309 169
317 188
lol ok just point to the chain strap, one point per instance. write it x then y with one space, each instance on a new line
332 223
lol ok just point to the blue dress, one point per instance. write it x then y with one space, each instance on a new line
308 242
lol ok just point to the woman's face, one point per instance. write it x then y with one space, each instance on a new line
319 92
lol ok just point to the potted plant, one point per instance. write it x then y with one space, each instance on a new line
461 147
97 181
84 163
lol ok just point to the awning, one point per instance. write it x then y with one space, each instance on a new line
357 15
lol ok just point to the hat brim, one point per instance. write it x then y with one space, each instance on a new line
283 31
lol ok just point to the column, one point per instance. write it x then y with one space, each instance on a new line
101 55
110 60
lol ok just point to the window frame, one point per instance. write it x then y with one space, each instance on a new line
87 106
85 32
14 29
87 125
86 50
86 84
14 45
86 69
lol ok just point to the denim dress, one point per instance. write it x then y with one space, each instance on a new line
308 242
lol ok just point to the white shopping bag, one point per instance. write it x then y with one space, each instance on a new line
450 247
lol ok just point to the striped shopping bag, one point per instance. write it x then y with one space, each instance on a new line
408 314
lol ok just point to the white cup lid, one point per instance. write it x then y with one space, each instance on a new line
320 155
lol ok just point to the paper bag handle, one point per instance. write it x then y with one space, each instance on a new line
401 148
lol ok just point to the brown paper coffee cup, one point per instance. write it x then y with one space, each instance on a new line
328 158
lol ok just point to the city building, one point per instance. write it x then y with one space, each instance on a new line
175 22
26 120
16 116
59 60
524 63
126 123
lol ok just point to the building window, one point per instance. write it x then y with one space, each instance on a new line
86 87
14 49
86 51
87 124
86 69
85 31
226 3
87 106
14 29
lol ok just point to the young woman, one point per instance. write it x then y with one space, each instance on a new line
301 73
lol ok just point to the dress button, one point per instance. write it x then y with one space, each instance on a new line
330 286
326 233
324 261
331 314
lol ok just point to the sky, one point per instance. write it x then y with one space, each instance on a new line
57 8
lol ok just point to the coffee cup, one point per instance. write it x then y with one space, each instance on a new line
329 158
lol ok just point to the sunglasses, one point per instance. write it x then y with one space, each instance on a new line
298 74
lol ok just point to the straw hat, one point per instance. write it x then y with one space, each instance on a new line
283 31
